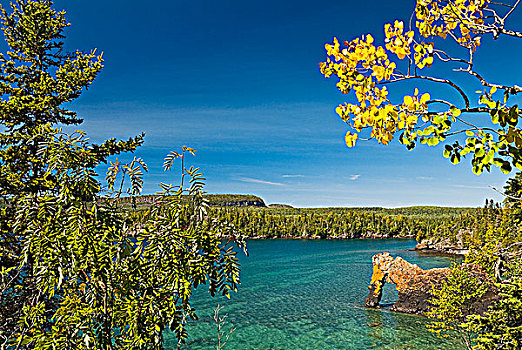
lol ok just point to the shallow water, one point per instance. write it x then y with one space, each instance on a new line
310 295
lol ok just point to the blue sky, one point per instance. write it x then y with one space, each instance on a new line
239 81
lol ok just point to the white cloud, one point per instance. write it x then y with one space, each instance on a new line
257 181
298 175
427 178
467 186
354 177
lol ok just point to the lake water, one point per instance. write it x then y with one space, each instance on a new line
310 295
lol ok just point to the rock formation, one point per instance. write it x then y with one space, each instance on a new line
444 245
413 284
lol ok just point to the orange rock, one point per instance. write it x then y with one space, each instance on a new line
412 283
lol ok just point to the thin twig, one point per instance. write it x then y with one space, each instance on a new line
220 322
510 11
515 89
506 195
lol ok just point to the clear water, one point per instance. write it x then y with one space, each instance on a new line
310 295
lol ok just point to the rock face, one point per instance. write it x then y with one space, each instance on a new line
244 204
413 284
445 246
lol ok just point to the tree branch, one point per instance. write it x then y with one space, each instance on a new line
439 101
448 57
511 33
511 11
506 195
513 90
437 80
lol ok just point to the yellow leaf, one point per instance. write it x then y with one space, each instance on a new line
339 110
425 98
493 90
464 30
350 139
408 100
387 29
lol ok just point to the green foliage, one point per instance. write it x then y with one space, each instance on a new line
76 273
495 246
454 300
143 202
287 222
513 199
36 79
116 285
513 190
501 327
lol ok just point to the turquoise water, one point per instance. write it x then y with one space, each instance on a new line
310 295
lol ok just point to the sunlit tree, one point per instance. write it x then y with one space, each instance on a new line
370 71
75 273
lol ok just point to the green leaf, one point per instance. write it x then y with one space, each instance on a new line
479 152
433 141
488 158
471 141
455 111
455 158
506 168
438 119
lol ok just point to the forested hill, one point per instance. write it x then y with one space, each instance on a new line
248 200
250 214
415 211
316 223
218 200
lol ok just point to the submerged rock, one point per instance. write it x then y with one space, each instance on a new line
413 284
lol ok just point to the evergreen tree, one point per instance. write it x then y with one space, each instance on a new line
75 272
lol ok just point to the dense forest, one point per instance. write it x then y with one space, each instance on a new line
453 224
339 222
443 228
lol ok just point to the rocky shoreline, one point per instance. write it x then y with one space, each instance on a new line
442 246
432 246
367 236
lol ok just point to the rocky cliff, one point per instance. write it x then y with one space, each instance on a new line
218 200
413 284
443 245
